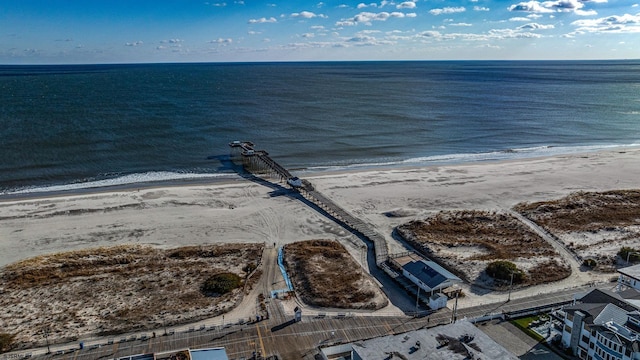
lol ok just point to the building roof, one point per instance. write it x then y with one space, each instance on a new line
209 354
596 301
611 313
591 310
629 294
461 340
437 296
602 296
631 271
430 273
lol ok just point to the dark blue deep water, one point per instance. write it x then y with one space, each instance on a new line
103 124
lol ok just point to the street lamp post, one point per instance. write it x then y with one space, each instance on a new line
510 286
629 254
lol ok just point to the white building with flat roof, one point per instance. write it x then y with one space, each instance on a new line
629 277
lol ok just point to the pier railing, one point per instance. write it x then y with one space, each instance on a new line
259 162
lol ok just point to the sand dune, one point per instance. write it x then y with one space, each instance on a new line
245 211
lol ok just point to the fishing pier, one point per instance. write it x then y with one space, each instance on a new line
259 163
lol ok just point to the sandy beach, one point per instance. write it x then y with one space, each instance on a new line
246 211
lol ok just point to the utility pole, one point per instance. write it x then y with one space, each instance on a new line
454 314
46 336
417 299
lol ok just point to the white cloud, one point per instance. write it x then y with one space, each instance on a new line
586 12
612 24
363 5
523 19
410 15
535 26
171 41
304 14
447 10
512 34
480 8
461 24
263 20
530 6
135 43
406 5
575 6
430 34
221 41
494 34
368 17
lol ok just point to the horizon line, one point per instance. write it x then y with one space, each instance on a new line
316 61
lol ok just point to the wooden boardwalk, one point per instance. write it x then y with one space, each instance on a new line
260 161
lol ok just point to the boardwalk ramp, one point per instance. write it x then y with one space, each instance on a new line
259 162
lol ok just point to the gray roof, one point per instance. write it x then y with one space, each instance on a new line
449 342
603 296
611 313
631 271
430 273
209 354
592 310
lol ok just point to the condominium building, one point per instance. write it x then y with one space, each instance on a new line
604 325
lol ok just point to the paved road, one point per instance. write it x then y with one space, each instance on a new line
278 336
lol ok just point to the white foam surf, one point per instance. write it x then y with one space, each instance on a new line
124 180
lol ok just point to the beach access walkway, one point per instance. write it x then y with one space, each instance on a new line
259 162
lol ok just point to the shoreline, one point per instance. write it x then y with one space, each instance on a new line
240 210
227 178
146 185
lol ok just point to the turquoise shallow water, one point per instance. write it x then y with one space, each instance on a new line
73 126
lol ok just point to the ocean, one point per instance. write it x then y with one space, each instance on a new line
84 126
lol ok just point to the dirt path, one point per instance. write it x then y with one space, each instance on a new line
271 279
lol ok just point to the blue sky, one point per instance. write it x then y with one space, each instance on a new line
118 31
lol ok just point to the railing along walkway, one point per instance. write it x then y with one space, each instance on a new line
307 190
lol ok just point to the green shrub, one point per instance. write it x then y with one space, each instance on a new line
249 268
590 263
502 270
633 254
6 342
221 283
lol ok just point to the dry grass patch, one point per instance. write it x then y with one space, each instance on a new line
592 224
113 290
467 241
324 274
